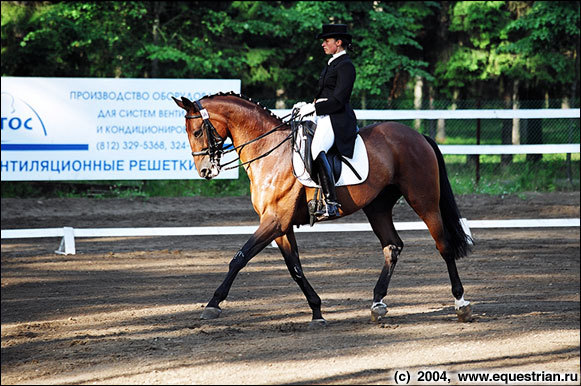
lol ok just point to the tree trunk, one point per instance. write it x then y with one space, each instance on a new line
515 121
432 122
534 132
441 130
418 100
474 159
364 106
572 128
506 130
280 101
157 8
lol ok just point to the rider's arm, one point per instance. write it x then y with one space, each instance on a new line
342 92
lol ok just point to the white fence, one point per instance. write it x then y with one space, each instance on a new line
68 234
394 115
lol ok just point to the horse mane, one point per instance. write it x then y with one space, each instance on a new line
246 98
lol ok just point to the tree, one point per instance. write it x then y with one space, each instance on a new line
71 38
546 39
452 47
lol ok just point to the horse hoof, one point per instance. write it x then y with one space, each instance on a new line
464 314
318 323
378 311
211 313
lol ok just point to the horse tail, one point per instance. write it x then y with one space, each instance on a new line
458 241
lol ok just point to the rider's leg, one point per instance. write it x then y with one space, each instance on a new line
327 182
323 140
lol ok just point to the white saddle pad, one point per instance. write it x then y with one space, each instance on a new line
359 161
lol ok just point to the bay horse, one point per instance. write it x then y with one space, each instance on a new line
402 162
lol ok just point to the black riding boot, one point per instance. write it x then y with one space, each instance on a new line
327 182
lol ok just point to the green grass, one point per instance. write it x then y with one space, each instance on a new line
548 175
463 131
124 189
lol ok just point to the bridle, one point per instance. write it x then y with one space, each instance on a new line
215 142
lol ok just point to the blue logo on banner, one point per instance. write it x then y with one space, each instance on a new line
20 120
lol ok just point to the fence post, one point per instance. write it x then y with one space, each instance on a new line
478 143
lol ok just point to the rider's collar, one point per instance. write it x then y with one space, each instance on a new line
335 56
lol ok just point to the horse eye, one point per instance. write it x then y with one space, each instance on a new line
198 133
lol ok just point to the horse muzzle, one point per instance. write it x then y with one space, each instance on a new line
209 171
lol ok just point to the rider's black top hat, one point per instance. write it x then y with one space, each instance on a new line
335 31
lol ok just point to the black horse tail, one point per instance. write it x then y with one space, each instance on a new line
458 241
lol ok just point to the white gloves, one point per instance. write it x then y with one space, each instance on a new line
299 105
306 110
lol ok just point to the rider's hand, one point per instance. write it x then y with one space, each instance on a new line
306 110
298 105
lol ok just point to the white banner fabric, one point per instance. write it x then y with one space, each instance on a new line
100 128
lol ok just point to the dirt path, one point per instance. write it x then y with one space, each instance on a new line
126 310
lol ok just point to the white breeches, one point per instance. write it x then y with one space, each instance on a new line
324 137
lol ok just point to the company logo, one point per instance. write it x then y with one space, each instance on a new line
20 120
24 130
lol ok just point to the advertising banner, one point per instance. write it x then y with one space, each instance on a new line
100 128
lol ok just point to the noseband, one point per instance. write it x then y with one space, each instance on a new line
215 141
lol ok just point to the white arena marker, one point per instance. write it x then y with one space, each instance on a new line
67 246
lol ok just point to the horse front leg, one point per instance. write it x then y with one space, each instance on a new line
288 247
267 231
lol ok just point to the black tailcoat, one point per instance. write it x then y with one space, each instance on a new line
335 84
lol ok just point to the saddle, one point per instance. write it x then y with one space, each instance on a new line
335 158
355 173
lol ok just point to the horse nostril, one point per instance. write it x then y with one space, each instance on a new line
206 173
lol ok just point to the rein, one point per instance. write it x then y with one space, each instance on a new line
216 142
254 140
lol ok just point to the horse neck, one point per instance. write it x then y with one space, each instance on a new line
246 121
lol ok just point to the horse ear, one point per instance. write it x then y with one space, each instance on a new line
179 103
187 102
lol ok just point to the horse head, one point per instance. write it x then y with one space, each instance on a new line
205 139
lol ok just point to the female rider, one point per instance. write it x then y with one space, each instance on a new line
335 118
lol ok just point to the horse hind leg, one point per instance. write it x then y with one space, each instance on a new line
462 307
378 307
379 214
435 226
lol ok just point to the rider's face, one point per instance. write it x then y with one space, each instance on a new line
330 46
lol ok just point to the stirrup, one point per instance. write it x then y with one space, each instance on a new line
330 210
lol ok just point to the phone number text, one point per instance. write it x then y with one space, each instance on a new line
141 145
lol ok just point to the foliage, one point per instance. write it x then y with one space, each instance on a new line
270 46
545 40
389 31
535 42
469 49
